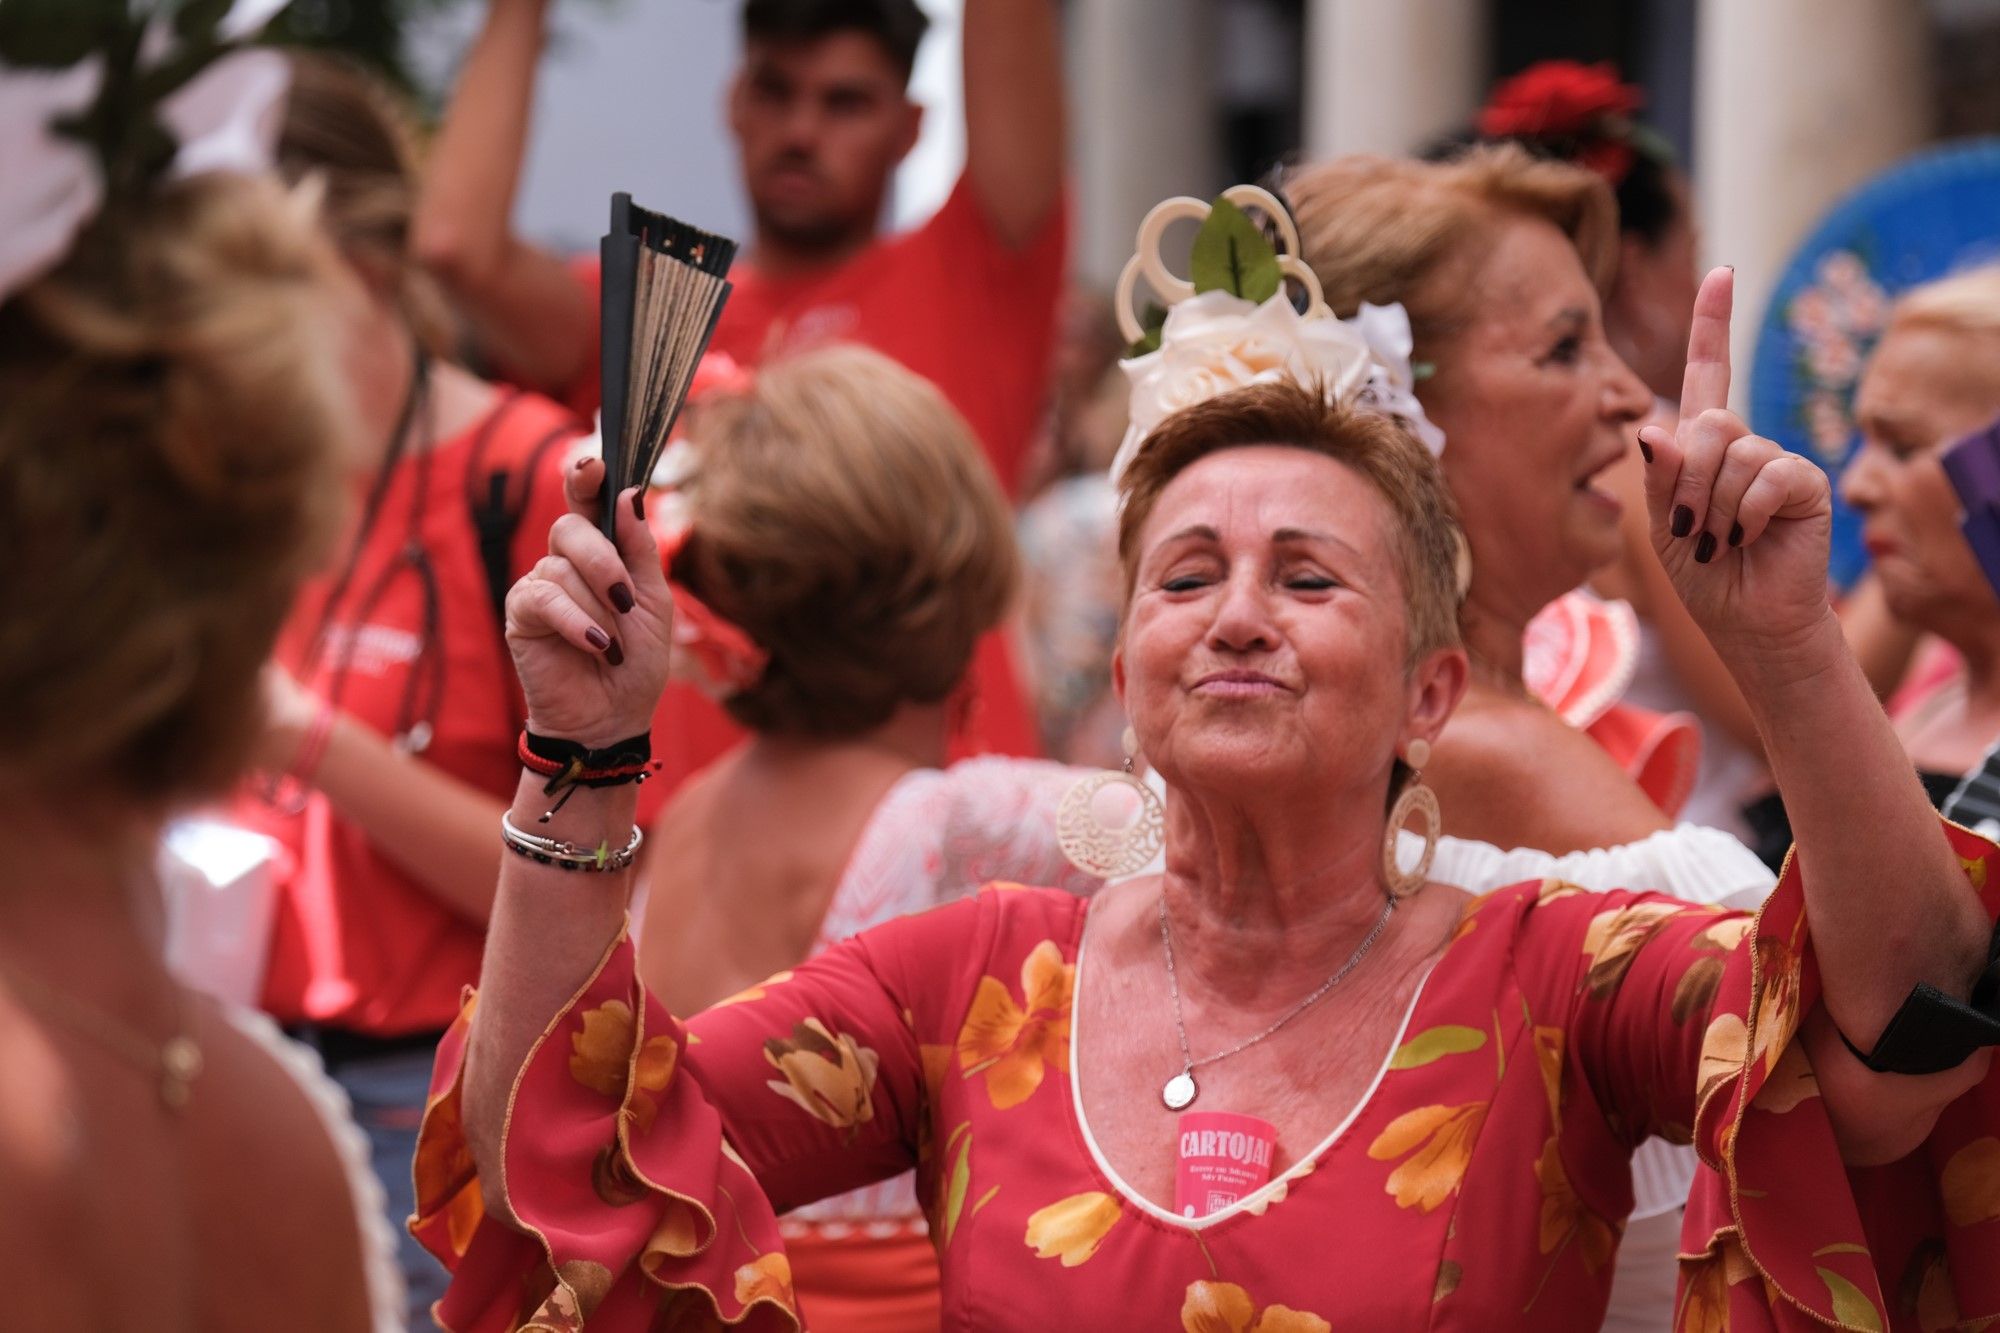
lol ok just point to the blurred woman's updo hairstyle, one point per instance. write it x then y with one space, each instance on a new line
845 519
346 130
1386 230
168 475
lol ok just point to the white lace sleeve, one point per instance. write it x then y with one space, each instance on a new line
943 834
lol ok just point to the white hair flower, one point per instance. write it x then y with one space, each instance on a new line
1214 342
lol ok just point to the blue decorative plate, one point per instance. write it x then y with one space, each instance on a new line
1922 218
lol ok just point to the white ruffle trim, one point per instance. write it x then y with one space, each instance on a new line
1689 862
386 1300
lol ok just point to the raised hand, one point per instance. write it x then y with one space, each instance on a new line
1741 525
591 625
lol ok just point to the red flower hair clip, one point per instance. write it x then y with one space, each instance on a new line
1587 106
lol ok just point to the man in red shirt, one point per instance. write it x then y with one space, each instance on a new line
821 114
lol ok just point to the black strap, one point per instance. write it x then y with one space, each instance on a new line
498 498
1933 1032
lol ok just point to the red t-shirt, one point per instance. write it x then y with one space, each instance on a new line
359 943
951 301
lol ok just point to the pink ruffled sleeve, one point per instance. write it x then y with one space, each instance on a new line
1779 1233
647 1160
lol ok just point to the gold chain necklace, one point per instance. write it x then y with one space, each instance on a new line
175 1062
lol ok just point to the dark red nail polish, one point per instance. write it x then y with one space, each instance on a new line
614 654
1704 550
639 504
1645 450
621 597
1683 522
1735 534
597 638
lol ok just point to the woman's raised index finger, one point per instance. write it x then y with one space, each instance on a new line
1706 382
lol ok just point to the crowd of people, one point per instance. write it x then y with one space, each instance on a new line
1358 809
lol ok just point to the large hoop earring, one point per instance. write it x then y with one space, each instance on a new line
1417 799
1111 824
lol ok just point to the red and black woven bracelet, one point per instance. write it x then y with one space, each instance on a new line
568 765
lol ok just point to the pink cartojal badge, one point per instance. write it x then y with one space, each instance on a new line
1223 1157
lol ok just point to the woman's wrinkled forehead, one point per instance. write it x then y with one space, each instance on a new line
1259 493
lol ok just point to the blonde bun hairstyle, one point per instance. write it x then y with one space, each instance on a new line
169 473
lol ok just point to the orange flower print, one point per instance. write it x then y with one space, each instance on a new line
830 1077
1224 1307
1565 1217
1777 1015
1071 1229
1439 1140
1012 1043
601 1049
755 992
765 1278
601 1060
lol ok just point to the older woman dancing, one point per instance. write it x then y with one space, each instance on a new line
1448 1089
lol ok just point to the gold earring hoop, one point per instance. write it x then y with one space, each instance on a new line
1417 799
1111 824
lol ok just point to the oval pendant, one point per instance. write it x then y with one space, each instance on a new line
1179 1093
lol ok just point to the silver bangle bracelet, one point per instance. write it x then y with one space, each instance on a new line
568 855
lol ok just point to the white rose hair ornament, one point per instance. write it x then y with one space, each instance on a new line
1233 322
99 99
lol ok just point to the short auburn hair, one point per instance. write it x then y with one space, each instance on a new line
1383 230
1424 520
845 519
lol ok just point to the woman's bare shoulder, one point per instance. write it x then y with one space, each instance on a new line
42 1227
1512 773
274 1195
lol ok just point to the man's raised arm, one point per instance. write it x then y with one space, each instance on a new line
529 313
1014 119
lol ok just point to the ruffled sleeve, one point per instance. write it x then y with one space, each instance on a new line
1779 1233
647 1161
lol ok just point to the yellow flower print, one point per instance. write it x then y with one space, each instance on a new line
830 1077
1790 1083
1614 938
765 1278
1723 1049
1565 1217
1012 1043
1439 1139
1224 1307
1071 1229
1927 1289
1971 1183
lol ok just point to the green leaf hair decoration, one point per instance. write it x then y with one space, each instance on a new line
1232 255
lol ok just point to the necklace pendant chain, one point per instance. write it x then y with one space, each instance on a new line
1180 1091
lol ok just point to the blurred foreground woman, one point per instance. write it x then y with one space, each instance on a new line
168 475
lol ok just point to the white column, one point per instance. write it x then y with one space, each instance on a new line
1383 76
1796 103
1142 121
